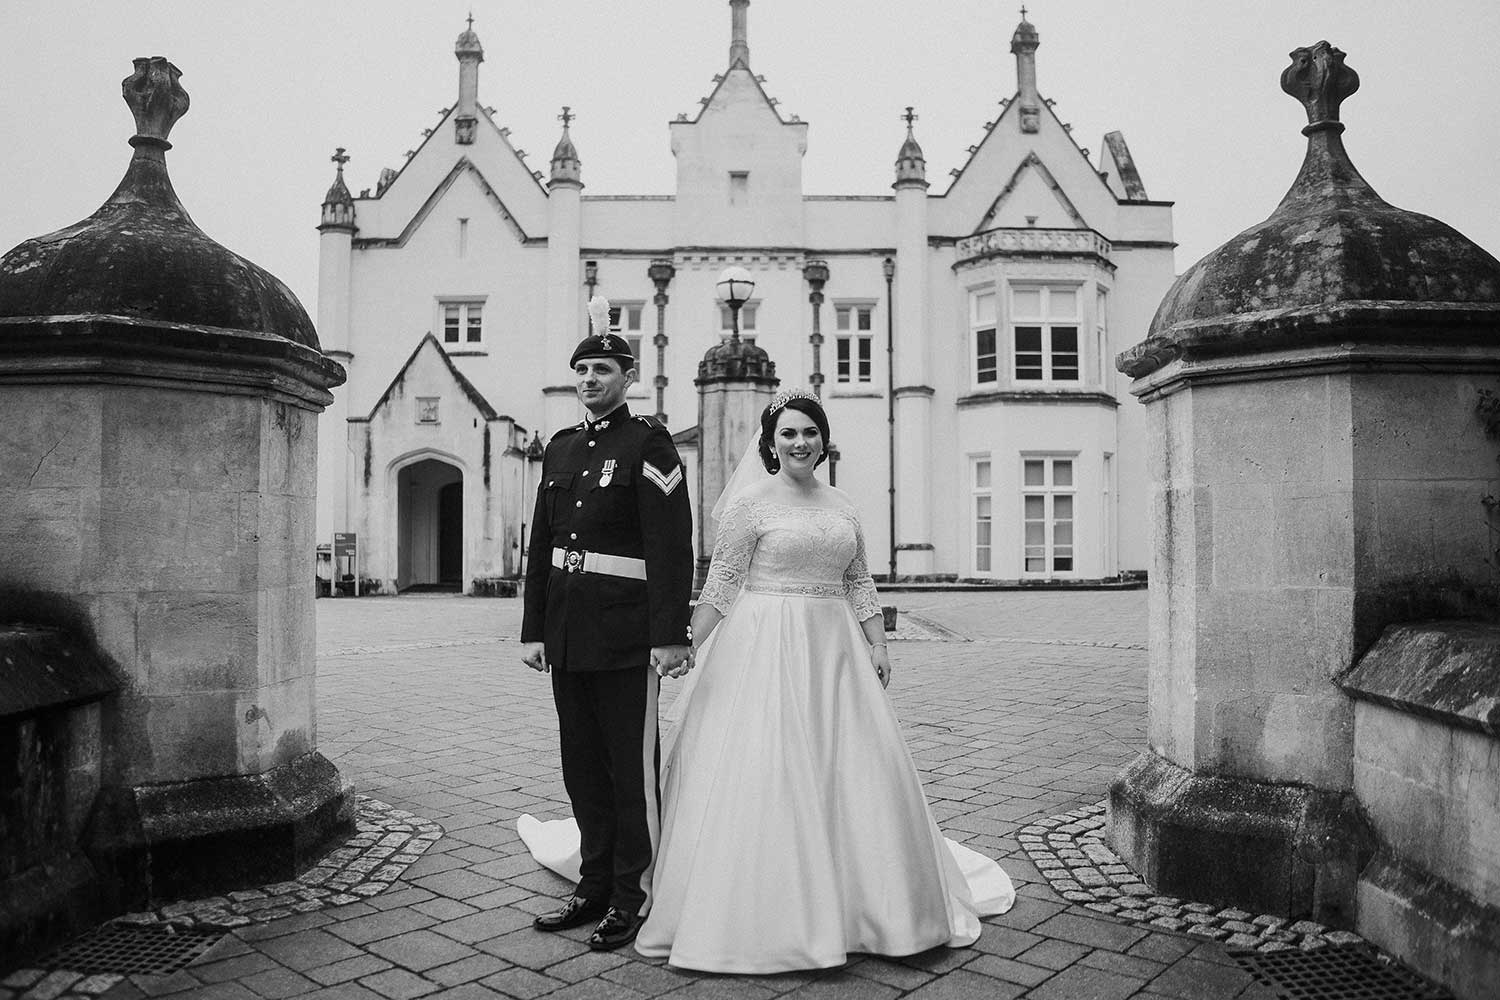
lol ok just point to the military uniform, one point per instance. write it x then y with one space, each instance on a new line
609 576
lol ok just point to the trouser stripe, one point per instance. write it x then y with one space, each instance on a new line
649 745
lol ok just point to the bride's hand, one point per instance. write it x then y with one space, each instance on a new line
881 660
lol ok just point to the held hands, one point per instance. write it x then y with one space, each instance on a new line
671 661
534 655
881 660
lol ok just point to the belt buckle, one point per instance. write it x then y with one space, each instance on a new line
573 561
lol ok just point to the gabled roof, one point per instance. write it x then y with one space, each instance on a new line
739 65
1032 162
1012 105
470 391
464 165
484 116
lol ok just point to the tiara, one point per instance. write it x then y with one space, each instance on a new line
785 396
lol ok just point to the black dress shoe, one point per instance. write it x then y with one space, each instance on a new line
575 913
616 929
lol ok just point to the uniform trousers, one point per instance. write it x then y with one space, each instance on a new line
611 759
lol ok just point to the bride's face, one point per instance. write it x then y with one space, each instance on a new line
798 443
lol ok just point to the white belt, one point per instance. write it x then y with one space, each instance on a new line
577 561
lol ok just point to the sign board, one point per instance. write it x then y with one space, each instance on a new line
345 546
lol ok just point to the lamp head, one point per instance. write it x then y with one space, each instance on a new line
735 286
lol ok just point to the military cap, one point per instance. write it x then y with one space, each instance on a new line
601 343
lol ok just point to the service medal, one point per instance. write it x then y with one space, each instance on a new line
607 473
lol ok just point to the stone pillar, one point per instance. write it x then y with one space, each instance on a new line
1317 466
563 331
911 381
162 398
735 383
335 241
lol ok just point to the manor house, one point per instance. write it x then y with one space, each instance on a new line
968 332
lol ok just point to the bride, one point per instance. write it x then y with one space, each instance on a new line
794 829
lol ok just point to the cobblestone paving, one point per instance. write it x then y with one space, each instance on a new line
1070 852
423 704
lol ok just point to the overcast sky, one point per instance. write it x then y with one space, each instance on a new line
276 85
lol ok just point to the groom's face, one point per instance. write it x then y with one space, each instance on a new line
602 383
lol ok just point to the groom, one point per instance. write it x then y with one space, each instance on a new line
608 579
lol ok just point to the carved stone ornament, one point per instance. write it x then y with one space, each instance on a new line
1319 79
1031 119
156 98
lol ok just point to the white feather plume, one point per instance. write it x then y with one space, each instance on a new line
599 315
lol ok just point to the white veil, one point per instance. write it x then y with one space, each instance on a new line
746 474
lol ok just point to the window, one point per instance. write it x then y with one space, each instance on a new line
427 409
984 517
1044 320
853 344
1047 515
625 320
739 187
982 328
463 322
1101 333
748 316
463 238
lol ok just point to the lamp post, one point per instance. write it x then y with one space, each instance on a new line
533 454
735 286
888 266
660 272
816 273
590 276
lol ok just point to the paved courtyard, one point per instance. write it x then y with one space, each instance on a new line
1018 706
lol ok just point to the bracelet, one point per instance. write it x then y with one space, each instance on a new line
875 645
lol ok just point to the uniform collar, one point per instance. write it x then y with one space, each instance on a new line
619 414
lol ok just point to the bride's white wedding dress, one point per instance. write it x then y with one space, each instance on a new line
794 826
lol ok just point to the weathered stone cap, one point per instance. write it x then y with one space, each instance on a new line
733 359
1446 670
1334 255
140 258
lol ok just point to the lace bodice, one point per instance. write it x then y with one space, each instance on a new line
765 546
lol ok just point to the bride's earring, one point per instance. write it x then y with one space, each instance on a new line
775 463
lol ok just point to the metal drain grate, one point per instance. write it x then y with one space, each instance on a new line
134 950
1339 972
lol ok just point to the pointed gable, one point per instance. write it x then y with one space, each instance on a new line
739 169
1032 197
430 374
463 171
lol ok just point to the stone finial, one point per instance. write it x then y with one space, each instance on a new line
1319 79
911 165
566 167
156 98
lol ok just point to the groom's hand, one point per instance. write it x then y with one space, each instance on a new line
534 655
671 661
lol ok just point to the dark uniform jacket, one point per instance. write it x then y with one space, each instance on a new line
637 506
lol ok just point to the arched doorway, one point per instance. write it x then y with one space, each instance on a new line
430 526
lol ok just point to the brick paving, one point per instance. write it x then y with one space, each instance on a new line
424 705
1070 853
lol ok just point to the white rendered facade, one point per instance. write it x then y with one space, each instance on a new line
1013 292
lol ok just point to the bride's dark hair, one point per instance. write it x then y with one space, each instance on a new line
768 417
